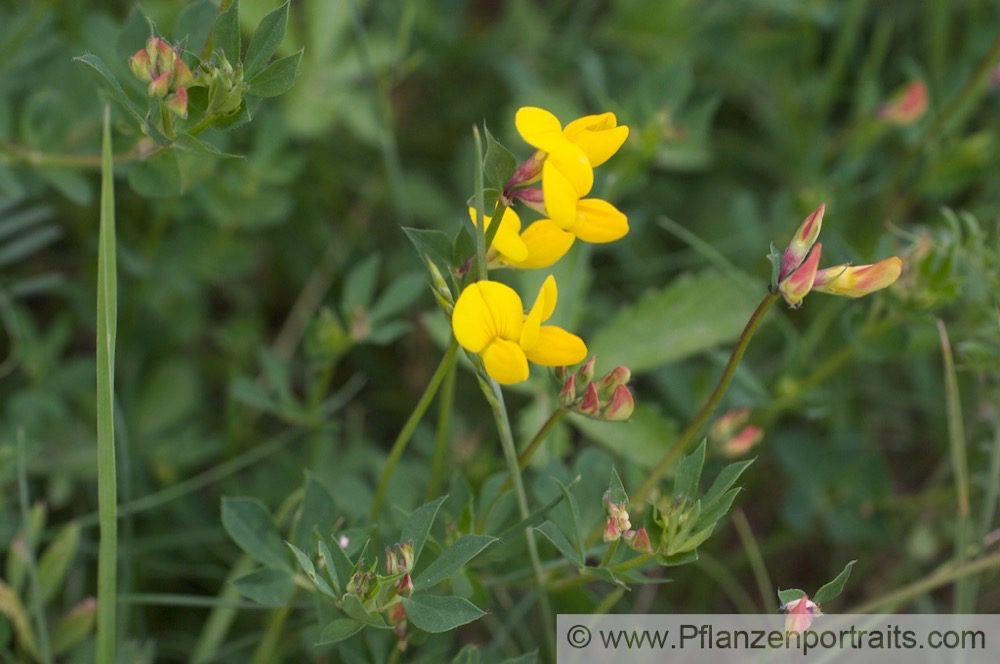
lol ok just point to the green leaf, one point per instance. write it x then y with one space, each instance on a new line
689 316
574 513
270 587
339 630
451 560
195 22
774 256
226 33
335 566
318 511
359 286
643 439
678 559
434 246
693 542
189 143
98 65
266 40
790 595
718 508
616 490
499 163
307 566
726 478
553 534
158 176
249 525
55 562
277 78
526 658
435 614
400 295
834 587
688 473
74 627
418 525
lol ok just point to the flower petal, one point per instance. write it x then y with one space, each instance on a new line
856 281
505 362
597 135
560 196
598 221
486 310
538 127
540 312
546 243
797 285
557 348
507 240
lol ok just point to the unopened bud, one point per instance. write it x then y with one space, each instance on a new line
528 171
182 74
141 65
178 103
567 395
590 404
406 555
404 587
805 237
391 563
586 371
798 284
727 424
621 405
639 540
160 85
614 378
611 532
742 442
906 107
858 280
799 614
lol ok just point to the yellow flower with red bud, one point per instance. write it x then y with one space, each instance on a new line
489 320
540 245
800 274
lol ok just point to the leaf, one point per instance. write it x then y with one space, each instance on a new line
75 626
318 511
158 176
692 542
359 286
726 478
189 143
432 246
834 587
277 78
526 658
574 514
98 65
226 33
307 566
418 526
400 294
435 614
265 41
451 560
195 22
11 607
616 490
559 540
498 163
55 562
339 630
688 473
718 508
270 587
250 526
644 439
678 559
774 257
691 315
790 595
335 566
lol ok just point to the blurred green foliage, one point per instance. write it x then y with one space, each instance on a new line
275 329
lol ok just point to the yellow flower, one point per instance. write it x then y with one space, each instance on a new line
540 245
568 170
489 320
858 280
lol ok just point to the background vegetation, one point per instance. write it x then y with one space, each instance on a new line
274 322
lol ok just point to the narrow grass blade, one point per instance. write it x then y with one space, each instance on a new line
107 489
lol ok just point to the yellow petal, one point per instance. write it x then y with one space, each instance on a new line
560 196
505 362
572 162
598 221
486 310
557 348
597 135
507 240
538 127
856 281
540 312
546 243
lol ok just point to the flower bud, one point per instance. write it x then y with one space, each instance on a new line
639 540
141 65
182 74
586 371
591 404
405 555
439 283
906 107
611 532
799 614
856 281
614 378
567 395
798 284
391 563
161 54
404 587
526 173
727 424
178 103
621 406
805 237
160 85
742 442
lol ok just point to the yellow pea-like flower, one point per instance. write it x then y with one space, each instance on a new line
489 320
858 280
540 245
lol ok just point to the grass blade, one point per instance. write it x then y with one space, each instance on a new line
107 489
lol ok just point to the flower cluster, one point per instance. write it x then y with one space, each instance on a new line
619 526
488 318
168 76
800 274
607 399
400 562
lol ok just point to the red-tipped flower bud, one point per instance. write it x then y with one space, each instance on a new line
178 103
621 405
567 395
141 65
591 404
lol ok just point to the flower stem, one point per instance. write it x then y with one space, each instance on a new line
399 446
692 430
495 398
543 432
441 437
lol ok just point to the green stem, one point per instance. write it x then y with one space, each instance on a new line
399 446
107 480
445 405
267 651
692 430
609 554
543 432
495 398
44 646
756 560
